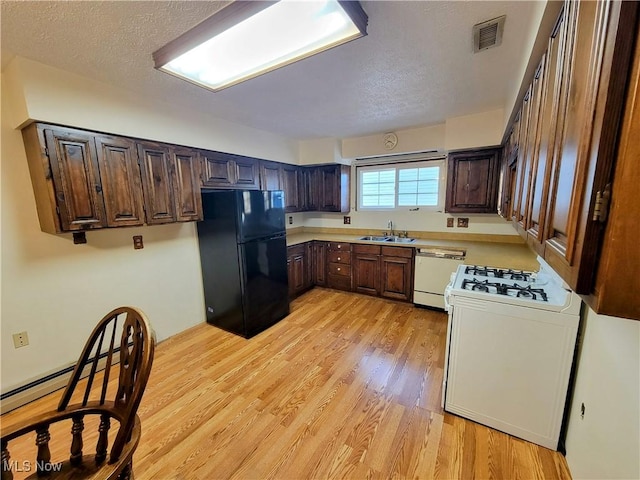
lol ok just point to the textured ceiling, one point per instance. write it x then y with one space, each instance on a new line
416 66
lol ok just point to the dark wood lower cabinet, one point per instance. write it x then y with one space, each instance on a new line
397 273
339 266
366 269
370 269
299 268
319 263
383 271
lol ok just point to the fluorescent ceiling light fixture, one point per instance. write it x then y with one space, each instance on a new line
249 38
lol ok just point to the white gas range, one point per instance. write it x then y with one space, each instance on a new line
510 346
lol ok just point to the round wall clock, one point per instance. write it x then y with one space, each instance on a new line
390 141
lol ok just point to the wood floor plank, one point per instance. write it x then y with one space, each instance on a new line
347 386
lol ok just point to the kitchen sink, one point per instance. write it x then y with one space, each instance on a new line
372 238
400 240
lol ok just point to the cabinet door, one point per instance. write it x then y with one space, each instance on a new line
270 176
290 187
121 182
155 161
308 265
521 168
329 198
366 273
552 80
78 190
188 202
598 52
319 262
217 170
530 160
312 188
246 173
472 181
397 276
296 267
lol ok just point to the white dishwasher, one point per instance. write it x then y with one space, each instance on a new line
432 272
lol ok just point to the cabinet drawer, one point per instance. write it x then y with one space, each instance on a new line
369 249
336 246
406 252
340 257
339 282
339 269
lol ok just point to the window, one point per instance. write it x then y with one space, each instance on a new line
401 185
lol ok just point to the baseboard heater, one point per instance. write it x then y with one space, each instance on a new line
45 385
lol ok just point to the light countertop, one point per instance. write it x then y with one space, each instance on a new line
486 253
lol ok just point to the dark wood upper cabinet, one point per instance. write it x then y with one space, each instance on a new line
619 265
85 180
76 178
291 177
121 182
247 173
224 170
472 181
217 170
311 184
155 160
578 164
270 178
186 188
332 187
598 56
543 160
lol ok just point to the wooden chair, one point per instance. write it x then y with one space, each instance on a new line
135 350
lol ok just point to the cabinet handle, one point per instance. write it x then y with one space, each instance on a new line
338 258
338 268
339 246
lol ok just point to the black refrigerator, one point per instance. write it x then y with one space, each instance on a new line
243 253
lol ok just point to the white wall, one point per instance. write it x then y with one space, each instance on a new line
409 140
470 131
319 150
56 96
57 291
606 442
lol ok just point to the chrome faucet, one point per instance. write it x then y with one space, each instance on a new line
390 227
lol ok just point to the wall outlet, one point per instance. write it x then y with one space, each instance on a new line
137 242
449 222
463 222
20 339
347 220
290 220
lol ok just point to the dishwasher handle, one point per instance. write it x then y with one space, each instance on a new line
436 253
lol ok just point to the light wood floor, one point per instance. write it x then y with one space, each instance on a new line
347 386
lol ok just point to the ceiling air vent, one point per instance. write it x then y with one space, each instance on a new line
488 34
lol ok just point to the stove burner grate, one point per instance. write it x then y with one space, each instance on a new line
508 274
505 289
